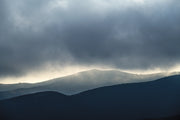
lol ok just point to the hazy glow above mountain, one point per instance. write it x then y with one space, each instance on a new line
139 1
48 73
45 74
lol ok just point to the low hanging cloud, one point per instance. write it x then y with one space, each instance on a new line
125 34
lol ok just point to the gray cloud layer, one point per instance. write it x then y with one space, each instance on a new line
123 34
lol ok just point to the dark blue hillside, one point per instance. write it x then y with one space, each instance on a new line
135 101
148 99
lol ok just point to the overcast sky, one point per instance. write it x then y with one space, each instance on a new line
37 35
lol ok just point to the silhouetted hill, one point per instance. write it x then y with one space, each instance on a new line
134 101
167 118
77 83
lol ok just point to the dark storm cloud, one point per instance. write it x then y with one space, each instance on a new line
122 34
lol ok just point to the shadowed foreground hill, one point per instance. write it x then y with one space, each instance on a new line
77 83
134 101
167 118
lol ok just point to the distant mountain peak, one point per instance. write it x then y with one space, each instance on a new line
77 83
133 101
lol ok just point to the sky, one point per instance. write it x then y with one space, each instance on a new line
44 39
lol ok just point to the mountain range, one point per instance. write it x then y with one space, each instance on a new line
77 83
159 99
